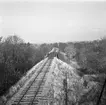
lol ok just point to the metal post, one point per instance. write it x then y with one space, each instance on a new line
65 89
98 102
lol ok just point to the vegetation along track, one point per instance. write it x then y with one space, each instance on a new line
35 87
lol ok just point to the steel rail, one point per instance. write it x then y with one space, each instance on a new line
36 93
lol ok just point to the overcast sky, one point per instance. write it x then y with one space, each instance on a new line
44 21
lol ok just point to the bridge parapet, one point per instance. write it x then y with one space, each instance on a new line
55 52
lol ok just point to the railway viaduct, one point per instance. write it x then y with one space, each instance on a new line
34 87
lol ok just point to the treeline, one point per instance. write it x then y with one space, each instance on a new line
91 56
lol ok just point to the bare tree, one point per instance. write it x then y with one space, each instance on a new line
70 51
13 39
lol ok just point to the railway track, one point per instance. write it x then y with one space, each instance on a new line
30 93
